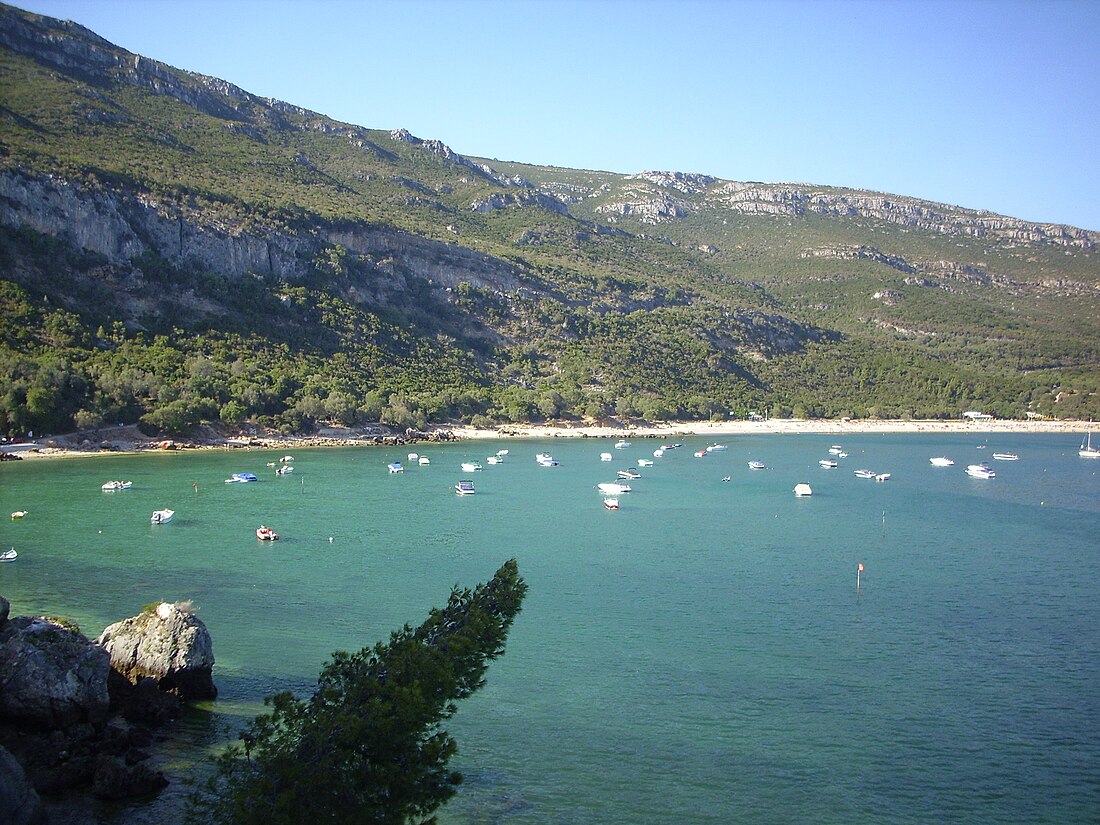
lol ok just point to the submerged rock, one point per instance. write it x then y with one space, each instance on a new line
169 644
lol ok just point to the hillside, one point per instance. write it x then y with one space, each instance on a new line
175 250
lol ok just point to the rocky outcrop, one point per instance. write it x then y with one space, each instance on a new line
502 200
51 676
54 706
169 644
438 147
862 252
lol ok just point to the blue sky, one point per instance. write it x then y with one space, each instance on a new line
986 104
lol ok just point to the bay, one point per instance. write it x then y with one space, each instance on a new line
701 655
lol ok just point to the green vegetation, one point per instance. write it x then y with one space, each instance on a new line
395 301
367 746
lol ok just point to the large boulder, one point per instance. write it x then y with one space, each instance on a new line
51 676
168 643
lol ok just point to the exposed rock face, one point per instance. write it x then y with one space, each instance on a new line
19 803
51 677
169 644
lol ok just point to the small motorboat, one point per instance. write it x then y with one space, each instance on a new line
18 514
864 474
613 488
621 445
828 464
941 461
161 516
494 459
241 478
286 459
611 504
1006 456
714 448
423 461
801 490
114 486
701 453
756 465
502 453
9 555
470 466
605 456
882 477
727 478
660 451
264 533
546 460
395 467
836 449
645 462
286 469
414 456
465 488
630 474
980 471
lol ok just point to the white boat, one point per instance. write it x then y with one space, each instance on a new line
494 459
465 488
112 486
980 471
756 465
502 453
841 455
613 488
286 459
606 457
414 456
546 460
1087 450
882 477
611 504
701 453
828 464
621 445
1006 456
423 461
9 555
630 473
470 466
803 490
240 478
395 467
286 469
660 451
714 448
942 461
266 534
836 449
864 474
18 514
161 516
645 462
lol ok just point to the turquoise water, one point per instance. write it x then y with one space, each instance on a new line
700 656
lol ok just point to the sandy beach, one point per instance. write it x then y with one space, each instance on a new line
118 440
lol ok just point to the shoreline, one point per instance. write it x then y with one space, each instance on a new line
127 440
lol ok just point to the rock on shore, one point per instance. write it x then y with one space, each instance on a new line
61 695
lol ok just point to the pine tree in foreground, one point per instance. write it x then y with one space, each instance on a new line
367 746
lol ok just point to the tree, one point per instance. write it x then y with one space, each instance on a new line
367 746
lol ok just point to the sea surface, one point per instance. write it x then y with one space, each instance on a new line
702 655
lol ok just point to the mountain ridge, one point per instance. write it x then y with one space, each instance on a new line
456 286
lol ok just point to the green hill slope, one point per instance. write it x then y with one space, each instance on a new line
176 250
